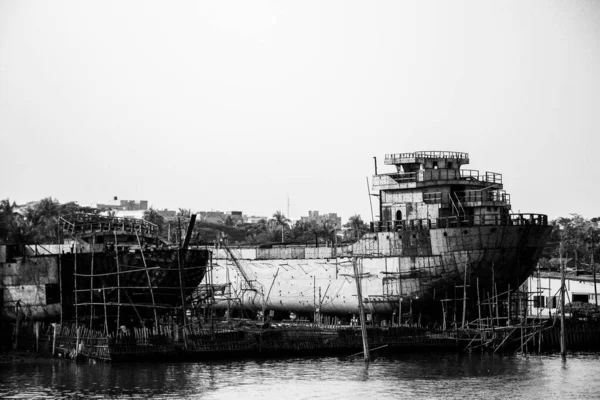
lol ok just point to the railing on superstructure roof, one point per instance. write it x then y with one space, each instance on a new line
391 158
85 223
455 221
473 196
391 181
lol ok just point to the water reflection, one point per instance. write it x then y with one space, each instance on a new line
407 376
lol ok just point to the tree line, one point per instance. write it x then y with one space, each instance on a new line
38 223
277 229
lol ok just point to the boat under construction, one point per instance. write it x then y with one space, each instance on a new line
446 240
109 272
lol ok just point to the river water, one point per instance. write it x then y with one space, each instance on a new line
409 376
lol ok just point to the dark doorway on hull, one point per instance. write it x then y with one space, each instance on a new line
398 215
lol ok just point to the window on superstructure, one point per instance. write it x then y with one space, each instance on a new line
583 298
52 293
539 301
435 165
449 164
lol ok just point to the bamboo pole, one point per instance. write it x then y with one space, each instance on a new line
105 312
60 281
75 283
92 282
118 281
149 280
363 327
464 310
563 345
594 268
478 305
184 316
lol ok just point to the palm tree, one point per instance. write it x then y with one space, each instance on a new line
357 226
152 215
280 221
40 222
10 220
186 213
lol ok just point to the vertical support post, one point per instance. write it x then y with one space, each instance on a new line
399 293
443 315
183 312
92 283
105 316
478 305
60 282
77 339
464 308
594 269
75 292
509 311
361 311
54 339
118 280
149 282
563 345
36 327
400 313
494 294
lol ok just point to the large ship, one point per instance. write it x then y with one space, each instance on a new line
107 272
446 239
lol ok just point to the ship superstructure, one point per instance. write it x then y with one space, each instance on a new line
445 234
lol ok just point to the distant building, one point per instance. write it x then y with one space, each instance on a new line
314 216
124 205
543 289
215 217
254 219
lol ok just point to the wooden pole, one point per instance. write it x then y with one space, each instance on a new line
509 311
361 311
443 315
75 284
478 304
149 282
92 282
563 346
400 312
464 310
399 294
184 316
54 339
105 316
594 269
118 280
60 281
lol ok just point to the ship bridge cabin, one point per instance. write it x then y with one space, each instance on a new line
430 190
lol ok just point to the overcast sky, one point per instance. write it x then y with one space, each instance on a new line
238 105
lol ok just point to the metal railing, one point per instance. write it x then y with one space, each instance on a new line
399 157
460 221
391 181
472 196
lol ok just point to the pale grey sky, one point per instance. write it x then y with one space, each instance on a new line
235 105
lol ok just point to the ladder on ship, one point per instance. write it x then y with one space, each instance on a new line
251 284
458 208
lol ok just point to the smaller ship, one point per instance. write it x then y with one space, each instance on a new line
108 272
